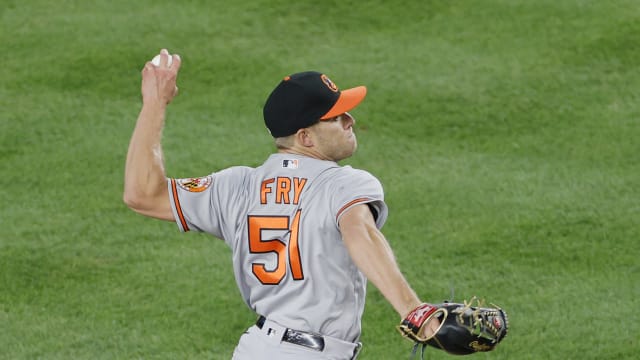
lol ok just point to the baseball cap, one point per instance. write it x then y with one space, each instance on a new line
302 99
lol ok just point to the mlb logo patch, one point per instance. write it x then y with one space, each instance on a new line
290 164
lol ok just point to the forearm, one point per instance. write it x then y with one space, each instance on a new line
145 178
372 254
384 273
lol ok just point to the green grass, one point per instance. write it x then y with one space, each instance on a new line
505 134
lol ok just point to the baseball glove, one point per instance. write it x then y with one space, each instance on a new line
464 328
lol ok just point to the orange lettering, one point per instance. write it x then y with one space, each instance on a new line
259 246
277 247
264 190
294 251
298 185
282 191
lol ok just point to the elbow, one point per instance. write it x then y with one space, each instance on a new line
138 199
142 196
133 201
155 205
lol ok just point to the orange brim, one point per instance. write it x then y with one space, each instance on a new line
348 100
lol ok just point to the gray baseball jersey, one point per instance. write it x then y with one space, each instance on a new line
281 222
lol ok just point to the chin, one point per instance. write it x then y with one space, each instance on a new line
348 154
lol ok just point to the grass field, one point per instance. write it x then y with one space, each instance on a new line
505 134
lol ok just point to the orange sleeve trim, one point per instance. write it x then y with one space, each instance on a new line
349 204
174 190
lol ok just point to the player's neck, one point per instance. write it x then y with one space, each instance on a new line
309 152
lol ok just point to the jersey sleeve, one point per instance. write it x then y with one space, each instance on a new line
359 187
202 204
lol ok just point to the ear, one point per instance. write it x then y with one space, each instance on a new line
304 138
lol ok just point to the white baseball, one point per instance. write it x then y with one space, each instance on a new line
156 60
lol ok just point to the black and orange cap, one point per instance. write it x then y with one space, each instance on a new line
303 99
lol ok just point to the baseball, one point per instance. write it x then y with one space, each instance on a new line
156 60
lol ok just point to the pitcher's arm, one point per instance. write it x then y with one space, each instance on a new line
372 254
145 181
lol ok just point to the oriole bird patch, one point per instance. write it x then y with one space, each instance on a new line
195 184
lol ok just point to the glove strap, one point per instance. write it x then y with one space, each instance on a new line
412 324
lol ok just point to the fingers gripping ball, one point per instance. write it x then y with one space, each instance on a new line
156 60
465 328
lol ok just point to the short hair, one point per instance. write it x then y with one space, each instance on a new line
285 142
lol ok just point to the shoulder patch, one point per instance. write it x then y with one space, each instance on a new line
195 184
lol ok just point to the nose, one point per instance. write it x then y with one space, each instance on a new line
349 120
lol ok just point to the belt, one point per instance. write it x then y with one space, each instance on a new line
302 338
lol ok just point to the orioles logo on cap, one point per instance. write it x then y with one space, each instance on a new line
333 87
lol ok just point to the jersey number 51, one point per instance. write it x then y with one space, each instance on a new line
282 250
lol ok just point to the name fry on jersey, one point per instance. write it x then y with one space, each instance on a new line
282 190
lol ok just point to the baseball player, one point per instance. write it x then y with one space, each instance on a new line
303 230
